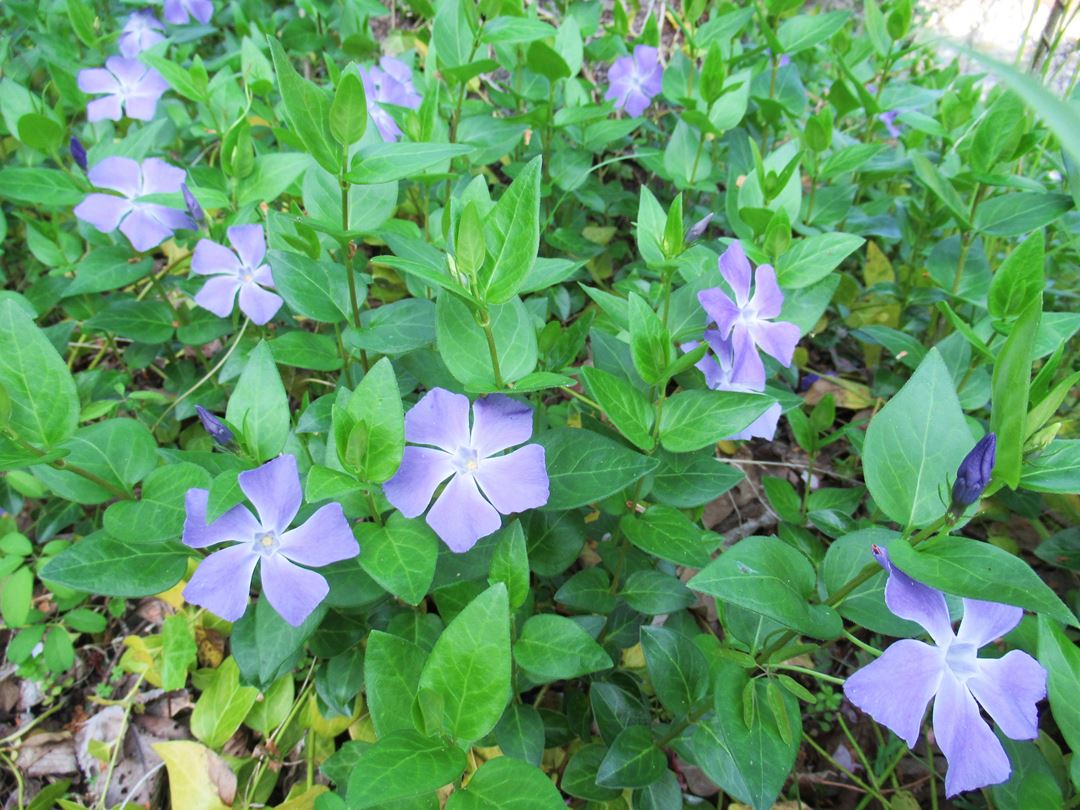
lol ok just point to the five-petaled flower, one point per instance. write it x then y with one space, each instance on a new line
141 31
178 11
222 580
239 270
896 688
129 88
481 484
633 81
145 224
388 83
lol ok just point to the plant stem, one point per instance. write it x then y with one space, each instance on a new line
347 247
485 323
207 376
374 507
61 464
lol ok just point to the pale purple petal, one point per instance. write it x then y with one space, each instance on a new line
720 308
1008 688
201 10
107 108
635 102
500 422
646 59
152 83
768 300
171 218
127 71
747 369
143 230
97 80
422 470
975 755
323 538
515 482
141 31
263 276
258 304
896 688
707 365
237 525
218 295
175 12
249 241
103 211
274 490
461 516
764 427
735 268
984 622
210 258
117 174
141 106
159 177
222 581
915 602
384 122
292 591
776 338
440 419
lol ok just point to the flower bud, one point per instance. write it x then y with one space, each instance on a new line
217 429
697 230
78 153
973 475
194 209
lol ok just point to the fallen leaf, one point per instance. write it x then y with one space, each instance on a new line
198 778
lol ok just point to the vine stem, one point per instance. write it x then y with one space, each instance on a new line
485 323
207 376
60 464
118 743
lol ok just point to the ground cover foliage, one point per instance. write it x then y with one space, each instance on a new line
502 405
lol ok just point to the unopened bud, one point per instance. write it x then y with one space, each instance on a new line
78 153
194 209
217 429
973 475
697 230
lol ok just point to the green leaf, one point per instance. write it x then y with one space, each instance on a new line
44 402
307 110
16 596
348 112
82 22
588 591
40 132
686 480
469 667
103 565
978 570
376 438
159 512
507 784
1010 392
185 82
453 33
463 345
1061 657
400 556
314 289
106 269
805 31
677 668
626 407
520 733
767 576
584 467
392 667
259 407
144 321
692 420
121 452
222 706
654 592
940 187
386 162
266 646
510 564
45 187
1020 212
178 652
302 349
668 534
812 259
632 761
512 234
515 31
915 444
400 765
579 777
554 648
1055 469
650 342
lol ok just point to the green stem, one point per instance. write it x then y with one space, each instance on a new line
374 507
592 404
207 376
61 464
681 726
821 676
854 779
353 300
485 323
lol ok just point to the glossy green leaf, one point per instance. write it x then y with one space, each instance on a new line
507 784
584 466
400 555
692 420
553 648
400 765
259 407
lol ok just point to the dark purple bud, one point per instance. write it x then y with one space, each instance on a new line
697 230
973 476
214 426
78 153
194 209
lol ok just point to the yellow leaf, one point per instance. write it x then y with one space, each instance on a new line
174 596
198 778
141 657
634 657
305 800
878 268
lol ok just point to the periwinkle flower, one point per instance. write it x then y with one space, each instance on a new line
240 270
129 87
222 580
145 224
481 484
179 11
889 120
388 83
217 429
78 153
141 31
896 688
748 321
973 474
194 210
633 81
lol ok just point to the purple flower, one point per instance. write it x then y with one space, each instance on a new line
896 688
222 580
145 224
178 11
389 83
193 208
889 120
973 474
482 484
634 80
141 31
78 153
746 321
217 429
130 88
238 270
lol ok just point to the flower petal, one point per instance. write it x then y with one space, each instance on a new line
635 102
258 304
440 419
97 80
461 516
735 268
103 211
764 427
222 581
975 755
1008 688
237 525
201 10
776 338
117 174
323 538
274 489
896 688
768 300
422 470
210 258
143 230
984 622
515 482
159 177
106 108
747 368
720 308
218 295
141 106
500 422
249 241
292 591
175 12
129 72
916 602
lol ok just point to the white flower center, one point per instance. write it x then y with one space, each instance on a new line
247 276
962 660
465 461
266 543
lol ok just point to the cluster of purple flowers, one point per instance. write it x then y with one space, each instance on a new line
739 327
389 82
